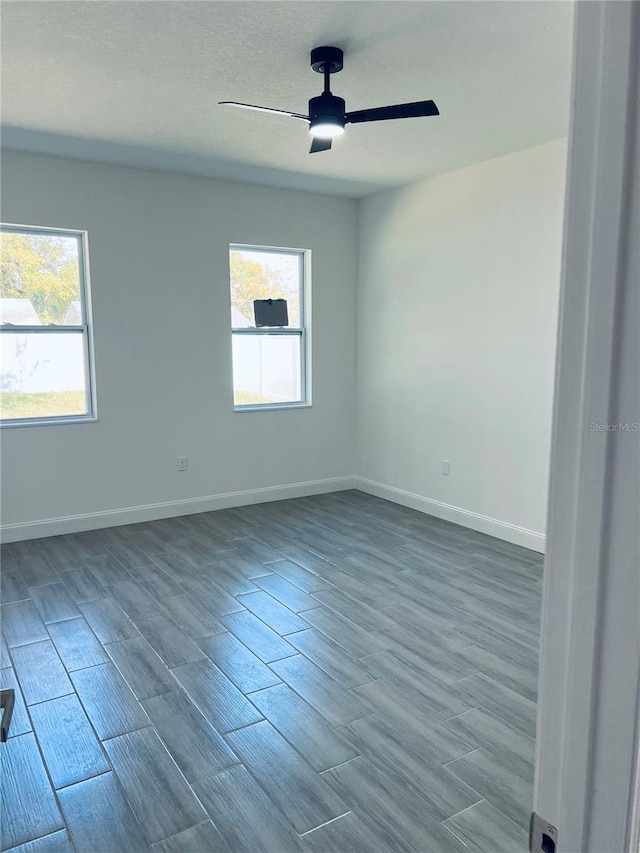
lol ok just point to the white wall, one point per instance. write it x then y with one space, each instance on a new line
457 313
160 287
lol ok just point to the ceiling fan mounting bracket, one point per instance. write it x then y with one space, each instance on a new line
327 59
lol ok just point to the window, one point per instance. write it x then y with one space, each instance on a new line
269 363
45 374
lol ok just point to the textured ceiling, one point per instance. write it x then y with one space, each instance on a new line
138 83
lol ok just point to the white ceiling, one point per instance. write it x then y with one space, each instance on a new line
138 83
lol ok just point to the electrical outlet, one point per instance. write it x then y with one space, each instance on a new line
445 467
182 463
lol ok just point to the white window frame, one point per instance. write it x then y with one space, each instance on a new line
303 331
85 329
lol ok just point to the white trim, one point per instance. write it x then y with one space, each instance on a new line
85 329
169 509
589 679
465 517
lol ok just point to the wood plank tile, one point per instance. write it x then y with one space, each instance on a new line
415 663
330 657
240 665
190 616
211 596
69 746
244 815
108 825
37 569
141 668
57 842
82 586
108 701
300 793
40 672
274 614
405 749
28 808
136 602
484 829
325 694
201 838
407 762
286 593
512 676
156 790
106 569
54 602
62 553
175 565
219 700
194 744
513 748
12 585
76 644
20 722
172 644
306 730
505 789
428 697
90 543
350 607
306 559
226 575
257 636
253 549
21 624
298 576
129 555
348 834
108 620
144 537
159 583
352 638
243 565
383 593
397 814
518 711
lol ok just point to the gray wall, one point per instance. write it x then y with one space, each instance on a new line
160 288
457 311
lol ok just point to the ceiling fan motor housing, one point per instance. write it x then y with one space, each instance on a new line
327 59
327 109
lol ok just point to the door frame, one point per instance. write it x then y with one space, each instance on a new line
586 751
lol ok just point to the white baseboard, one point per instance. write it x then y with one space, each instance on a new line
189 506
483 523
170 509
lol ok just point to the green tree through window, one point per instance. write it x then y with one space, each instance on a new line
42 269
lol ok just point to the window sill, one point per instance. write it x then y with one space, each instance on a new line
271 407
31 422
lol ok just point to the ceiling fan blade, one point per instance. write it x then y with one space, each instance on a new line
262 109
413 110
319 145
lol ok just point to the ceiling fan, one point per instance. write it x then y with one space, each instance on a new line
327 117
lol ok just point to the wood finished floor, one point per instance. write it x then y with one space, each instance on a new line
335 674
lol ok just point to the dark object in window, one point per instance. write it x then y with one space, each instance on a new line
270 312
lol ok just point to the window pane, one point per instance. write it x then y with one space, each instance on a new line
263 275
39 279
266 369
42 375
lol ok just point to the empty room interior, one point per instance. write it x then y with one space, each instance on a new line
280 290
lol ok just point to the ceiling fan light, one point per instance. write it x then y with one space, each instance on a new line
326 130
